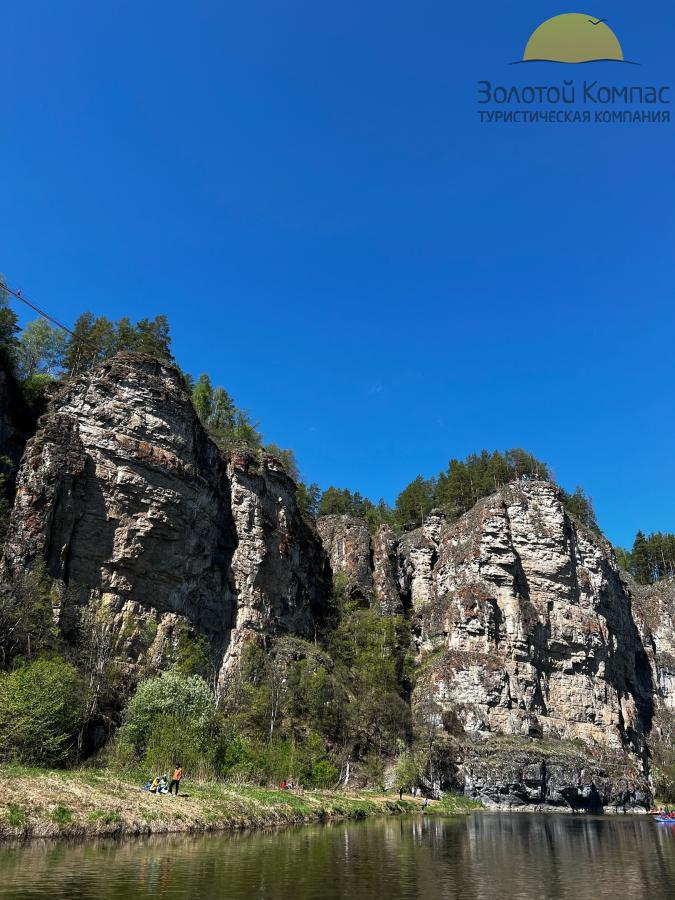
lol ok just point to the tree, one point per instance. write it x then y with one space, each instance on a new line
580 505
40 712
640 559
202 398
26 617
651 558
188 698
41 349
308 498
286 458
153 338
96 339
9 328
223 411
92 340
415 501
342 502
466 481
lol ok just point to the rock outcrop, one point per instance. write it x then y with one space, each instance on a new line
528 778
129 505
655 615
347 542
525 626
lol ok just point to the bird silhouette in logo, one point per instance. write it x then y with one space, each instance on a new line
597 22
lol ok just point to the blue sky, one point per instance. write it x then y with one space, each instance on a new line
381 280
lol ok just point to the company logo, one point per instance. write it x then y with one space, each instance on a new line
573 38
531 98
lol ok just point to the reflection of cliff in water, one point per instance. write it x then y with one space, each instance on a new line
481 857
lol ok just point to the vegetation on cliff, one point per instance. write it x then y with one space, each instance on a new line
651 557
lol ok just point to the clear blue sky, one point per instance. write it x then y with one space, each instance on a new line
382 281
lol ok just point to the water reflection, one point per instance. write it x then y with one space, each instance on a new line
482 857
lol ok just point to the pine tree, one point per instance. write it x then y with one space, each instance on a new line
640 558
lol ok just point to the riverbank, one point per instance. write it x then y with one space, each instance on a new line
87 803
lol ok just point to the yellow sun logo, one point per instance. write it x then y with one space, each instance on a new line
573 38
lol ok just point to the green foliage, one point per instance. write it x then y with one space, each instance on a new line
226 424
580 505
651 558
369 654
184 700
287 460
95 339
41 349
179 738
341 501
455 491
190 654
308 496
466 481
324 774
26 616
415 501
40 712
372 769
61 815
105 817
16 815
409 767
299 705
9 329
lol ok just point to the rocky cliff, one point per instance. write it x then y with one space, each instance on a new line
129 505
544 666
525 627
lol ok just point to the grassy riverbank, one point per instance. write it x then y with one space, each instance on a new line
39 803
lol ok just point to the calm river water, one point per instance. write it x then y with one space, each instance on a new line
485 856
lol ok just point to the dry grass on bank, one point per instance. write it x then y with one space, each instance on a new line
40 803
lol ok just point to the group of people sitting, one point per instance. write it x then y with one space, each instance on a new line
287 785
664 813
161 784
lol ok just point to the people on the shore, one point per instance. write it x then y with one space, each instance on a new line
400 793
161 784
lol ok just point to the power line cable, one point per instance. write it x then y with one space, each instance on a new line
45 315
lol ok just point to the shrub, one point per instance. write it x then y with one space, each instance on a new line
408 768
373 771
40 712
324 774
172 739
186 700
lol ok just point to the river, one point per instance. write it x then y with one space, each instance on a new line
485 856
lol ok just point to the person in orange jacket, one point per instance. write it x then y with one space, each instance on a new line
177 775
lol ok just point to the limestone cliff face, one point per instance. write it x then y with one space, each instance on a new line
524 621
347 543
130 505
537 625
655 615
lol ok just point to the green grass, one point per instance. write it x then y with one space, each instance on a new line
105 817
61 815
16 815
451 804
